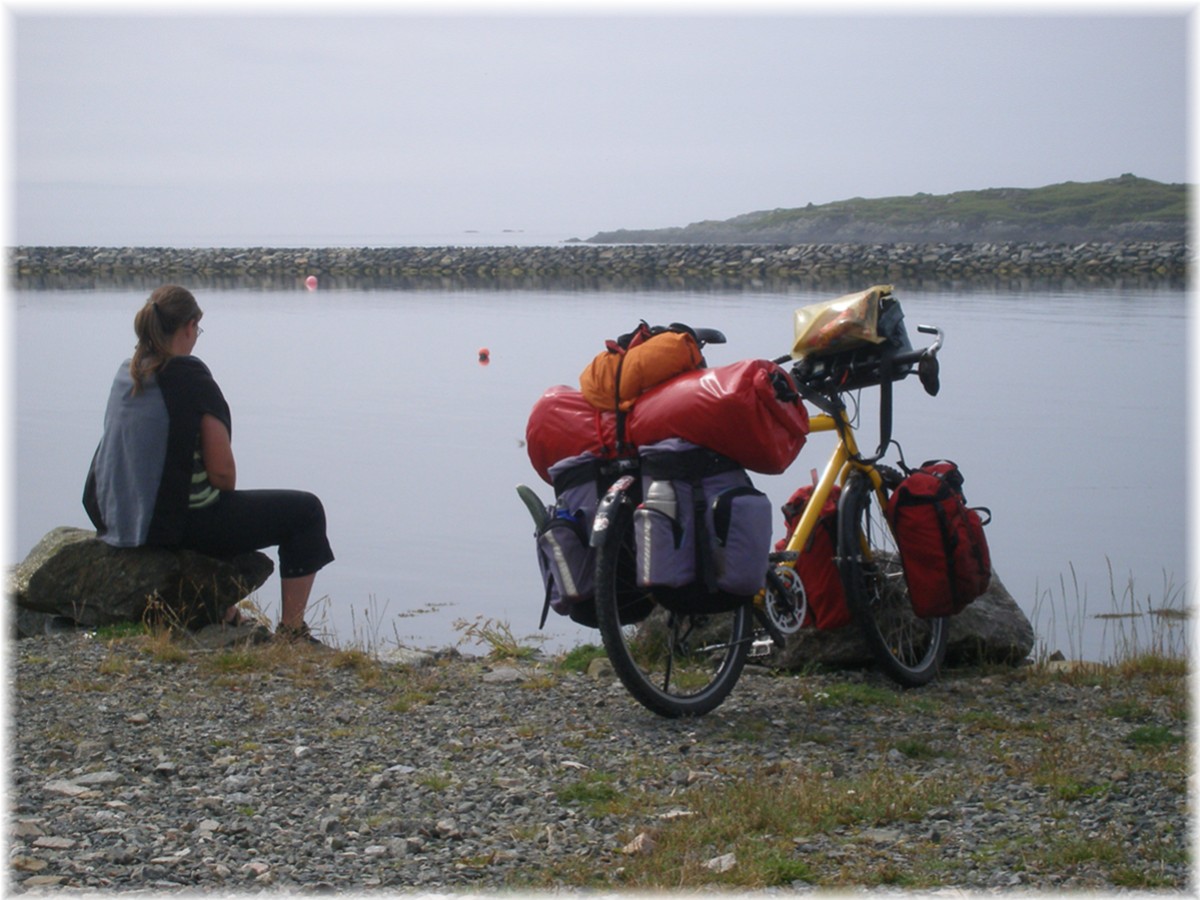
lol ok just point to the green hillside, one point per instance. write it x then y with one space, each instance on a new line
1124 208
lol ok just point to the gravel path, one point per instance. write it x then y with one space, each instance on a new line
254 772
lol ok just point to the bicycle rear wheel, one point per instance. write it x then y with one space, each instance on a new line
677 665
910 650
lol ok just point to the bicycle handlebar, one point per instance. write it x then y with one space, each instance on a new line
821 379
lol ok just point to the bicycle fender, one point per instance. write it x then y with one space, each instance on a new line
616 495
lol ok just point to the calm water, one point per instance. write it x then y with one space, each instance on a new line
1066 411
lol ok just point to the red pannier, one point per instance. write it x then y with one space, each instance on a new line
748 411
816 566
942 545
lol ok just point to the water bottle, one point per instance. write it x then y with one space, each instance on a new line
660 496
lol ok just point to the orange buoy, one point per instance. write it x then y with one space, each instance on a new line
311 282
485 356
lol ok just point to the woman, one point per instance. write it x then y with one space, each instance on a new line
164 473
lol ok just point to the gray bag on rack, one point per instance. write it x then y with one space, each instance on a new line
701 522
566 559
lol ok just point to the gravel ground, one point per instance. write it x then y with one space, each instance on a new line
254 772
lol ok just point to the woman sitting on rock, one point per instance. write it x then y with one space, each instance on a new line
164 473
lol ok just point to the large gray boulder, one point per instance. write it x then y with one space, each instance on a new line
72 578
991 630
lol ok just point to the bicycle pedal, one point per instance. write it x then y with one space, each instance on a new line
761 647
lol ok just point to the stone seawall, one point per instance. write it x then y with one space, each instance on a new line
576 265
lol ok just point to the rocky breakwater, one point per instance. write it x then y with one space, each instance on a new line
605 266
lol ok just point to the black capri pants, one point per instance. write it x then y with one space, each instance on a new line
241 521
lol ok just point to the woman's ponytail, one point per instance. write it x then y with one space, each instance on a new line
169 308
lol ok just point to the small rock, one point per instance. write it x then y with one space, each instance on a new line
43 881
447 829
601 667
51 842
67 788
402 656
503 675
722 863
26 829
93 779
640 845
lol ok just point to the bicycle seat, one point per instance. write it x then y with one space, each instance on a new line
709 336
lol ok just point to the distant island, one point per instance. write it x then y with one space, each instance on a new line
1127 208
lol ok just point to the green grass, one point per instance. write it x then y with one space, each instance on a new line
1153 737
594 790
856 694
577 659
762 819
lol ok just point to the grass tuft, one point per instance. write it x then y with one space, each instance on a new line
496 636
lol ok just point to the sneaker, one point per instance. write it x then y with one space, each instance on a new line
296 634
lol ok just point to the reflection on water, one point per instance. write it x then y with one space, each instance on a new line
1065 409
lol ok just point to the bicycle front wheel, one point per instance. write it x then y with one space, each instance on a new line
676 664
909 649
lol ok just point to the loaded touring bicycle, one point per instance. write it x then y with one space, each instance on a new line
659 539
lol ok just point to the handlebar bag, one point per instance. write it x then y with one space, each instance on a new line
565 557
942 545
701 522
748 411
839 324
816 563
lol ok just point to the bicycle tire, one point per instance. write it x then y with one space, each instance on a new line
910 650
677 665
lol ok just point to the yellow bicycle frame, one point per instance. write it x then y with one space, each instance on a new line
838 468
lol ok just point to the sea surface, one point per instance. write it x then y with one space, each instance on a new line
1067 411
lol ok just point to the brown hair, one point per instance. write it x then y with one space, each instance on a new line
169 308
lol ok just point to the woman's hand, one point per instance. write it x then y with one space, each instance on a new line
218 453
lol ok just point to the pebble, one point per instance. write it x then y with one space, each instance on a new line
258 782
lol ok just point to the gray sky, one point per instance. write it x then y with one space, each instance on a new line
295 128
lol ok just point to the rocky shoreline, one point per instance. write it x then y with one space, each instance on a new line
137 769
577 265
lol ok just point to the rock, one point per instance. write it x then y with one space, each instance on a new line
503 675
218 636
722 863
406 658
639 846
992 629
601 667
71 576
